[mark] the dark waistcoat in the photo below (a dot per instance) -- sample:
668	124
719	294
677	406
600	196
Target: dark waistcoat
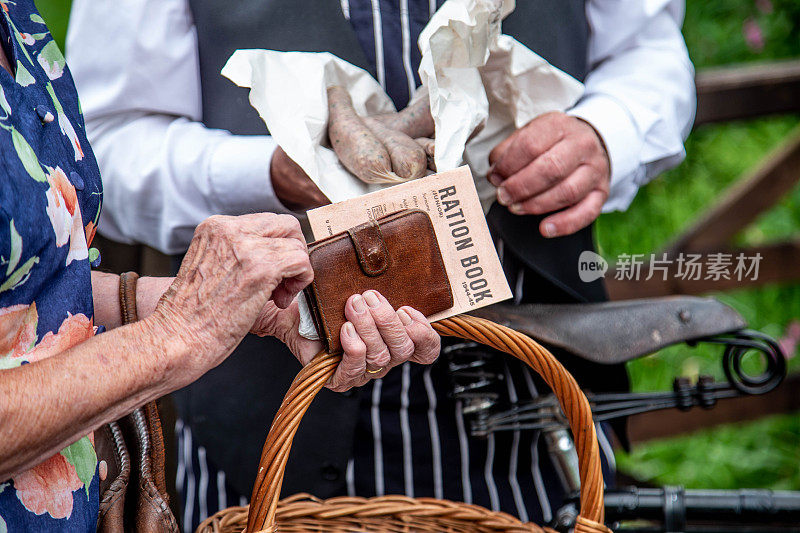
230	409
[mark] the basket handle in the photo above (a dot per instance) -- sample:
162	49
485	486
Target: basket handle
311	379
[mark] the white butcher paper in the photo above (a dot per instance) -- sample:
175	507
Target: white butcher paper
475	76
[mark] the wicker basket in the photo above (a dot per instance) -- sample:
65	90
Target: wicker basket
392	514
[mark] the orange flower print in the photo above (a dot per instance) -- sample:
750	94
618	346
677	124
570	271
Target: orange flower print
77	243
65	216
18	334
47	488
73	331
69	131
63	121
62	201
27	38
91	228
17	329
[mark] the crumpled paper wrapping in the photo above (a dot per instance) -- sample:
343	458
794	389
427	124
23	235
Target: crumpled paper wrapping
475	76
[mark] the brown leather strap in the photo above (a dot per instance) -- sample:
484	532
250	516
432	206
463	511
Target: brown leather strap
148	422
157	451
127	297
370	248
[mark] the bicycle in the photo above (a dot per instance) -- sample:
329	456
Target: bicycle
618	332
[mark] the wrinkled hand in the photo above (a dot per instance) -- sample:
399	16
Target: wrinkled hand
554	163
292	185
234	267
375	338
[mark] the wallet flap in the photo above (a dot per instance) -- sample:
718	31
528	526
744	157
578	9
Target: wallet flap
370	248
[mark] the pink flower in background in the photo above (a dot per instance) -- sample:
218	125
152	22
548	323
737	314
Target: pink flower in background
753	35
47	488
765	6
790	339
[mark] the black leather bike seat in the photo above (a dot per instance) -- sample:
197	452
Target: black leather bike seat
615	332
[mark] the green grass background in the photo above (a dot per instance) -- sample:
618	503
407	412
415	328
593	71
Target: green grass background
760	454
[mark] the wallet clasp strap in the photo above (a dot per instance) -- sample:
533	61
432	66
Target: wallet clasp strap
370	248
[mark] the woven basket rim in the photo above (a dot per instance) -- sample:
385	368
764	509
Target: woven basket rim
266	512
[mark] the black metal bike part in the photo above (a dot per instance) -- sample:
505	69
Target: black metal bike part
674	509
737	346
543	413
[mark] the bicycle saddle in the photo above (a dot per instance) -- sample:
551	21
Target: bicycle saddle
615	332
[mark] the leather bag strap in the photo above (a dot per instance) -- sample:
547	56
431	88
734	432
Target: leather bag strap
127	297
137	498
152	466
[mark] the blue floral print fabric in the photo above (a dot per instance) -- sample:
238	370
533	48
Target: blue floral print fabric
50	198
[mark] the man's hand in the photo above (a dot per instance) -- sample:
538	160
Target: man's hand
292	185
554	163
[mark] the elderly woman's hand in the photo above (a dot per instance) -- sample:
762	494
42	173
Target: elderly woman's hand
375	339
378	338
241	275
233	268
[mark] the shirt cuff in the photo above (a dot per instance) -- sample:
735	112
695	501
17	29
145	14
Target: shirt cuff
239	176
616	128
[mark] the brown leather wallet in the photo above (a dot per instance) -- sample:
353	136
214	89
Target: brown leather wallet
396	255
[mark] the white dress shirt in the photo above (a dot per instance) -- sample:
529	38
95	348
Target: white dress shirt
135	64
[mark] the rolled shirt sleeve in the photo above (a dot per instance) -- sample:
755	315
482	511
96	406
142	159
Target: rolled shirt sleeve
135	64
639	94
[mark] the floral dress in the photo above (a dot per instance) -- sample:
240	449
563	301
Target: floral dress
50	197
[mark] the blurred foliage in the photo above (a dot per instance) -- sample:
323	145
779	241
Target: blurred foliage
760	454
715	30
716	157
56	14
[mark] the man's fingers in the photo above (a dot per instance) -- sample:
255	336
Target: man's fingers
292	185
357	312
315	195
528	143
564	194
498	151
351	370
289	287
546	171
576	217
494	177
